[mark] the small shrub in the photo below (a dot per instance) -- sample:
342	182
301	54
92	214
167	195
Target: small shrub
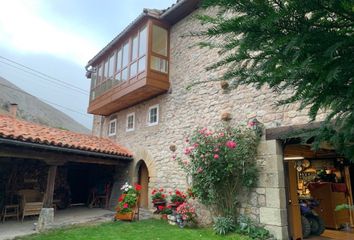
224	225
248	227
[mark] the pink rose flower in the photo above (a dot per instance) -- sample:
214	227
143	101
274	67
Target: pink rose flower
231	144
188	150
125	205
216	156
199	170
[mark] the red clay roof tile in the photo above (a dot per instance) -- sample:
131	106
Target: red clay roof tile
12	128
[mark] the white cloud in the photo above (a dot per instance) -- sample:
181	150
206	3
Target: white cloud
22	28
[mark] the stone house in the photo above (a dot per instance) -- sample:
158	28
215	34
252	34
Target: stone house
139	98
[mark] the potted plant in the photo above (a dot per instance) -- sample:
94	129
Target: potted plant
158	198
177	198
165	211
186	212
128	202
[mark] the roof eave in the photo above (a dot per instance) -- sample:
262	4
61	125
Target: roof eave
180	10
65	150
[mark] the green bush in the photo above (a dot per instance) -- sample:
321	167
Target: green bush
224	225
222	163
248	227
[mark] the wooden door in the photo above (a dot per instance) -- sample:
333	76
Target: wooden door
293	204
144	182
348	181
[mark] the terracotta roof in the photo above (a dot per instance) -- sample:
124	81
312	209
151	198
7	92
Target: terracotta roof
15	129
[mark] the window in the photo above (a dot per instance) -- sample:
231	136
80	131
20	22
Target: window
100	74
153	117
159	40
125	54
93	85
135	47
159	60
142	41
159	64
112	127
111	66
106	66
130	122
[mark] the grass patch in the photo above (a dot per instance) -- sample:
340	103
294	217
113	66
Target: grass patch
147	230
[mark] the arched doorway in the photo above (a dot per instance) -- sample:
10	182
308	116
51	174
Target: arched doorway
143	180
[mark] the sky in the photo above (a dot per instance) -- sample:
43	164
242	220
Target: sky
58	38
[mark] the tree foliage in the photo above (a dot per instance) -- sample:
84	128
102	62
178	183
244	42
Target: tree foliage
303	46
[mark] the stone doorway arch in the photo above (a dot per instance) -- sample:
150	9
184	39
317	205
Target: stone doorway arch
143	180
144	173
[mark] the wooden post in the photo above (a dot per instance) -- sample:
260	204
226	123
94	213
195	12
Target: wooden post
48	197
294	206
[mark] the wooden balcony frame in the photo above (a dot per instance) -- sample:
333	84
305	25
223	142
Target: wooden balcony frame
143	86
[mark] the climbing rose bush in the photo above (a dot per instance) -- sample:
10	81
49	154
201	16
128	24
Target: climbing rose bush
222	164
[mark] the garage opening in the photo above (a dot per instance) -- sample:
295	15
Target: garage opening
318	182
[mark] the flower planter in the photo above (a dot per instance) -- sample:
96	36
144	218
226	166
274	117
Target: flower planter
125	216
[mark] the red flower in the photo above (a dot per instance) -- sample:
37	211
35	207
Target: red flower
138	187
125	205
163	196
178	192
121	198
161	207
231	144
216	156
153	191
161	190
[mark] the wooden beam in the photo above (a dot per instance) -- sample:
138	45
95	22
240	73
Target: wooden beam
49	192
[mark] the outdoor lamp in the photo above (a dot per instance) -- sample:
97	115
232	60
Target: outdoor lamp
256	126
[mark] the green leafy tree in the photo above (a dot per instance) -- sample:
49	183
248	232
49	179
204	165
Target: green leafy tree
303	46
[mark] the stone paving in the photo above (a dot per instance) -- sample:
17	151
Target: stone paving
76	215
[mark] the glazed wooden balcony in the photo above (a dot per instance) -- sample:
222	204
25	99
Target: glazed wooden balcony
146	85
109	95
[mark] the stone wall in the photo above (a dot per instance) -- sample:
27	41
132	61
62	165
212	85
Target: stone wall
183	110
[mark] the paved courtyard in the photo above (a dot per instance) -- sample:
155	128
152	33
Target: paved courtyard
76	215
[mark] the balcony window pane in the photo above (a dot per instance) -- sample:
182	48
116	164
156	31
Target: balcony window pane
142	64
135	47
117	76
119	60
125	54
111	66
93	80
142	42
159	40
93	95
125	74
100	74
106	70
133	69
159	64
